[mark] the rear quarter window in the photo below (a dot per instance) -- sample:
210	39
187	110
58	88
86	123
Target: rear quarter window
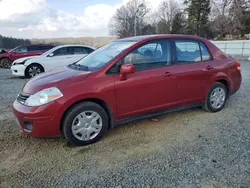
90	50
206	56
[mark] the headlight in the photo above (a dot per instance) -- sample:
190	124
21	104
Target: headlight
43	97
20	63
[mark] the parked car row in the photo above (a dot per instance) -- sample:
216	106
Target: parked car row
54	58
125	80
8	57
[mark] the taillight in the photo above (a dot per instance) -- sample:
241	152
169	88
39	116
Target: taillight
238	65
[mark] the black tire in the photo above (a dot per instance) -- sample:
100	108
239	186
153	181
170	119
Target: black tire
1	63
6	63
39	69
73	112
208	105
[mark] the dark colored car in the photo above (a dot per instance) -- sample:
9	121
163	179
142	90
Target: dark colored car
7	58
126	80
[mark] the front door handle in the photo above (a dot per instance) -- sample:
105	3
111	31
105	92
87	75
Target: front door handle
209	67
167	74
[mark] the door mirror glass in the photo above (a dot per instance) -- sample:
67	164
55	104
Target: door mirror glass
126	69
51	55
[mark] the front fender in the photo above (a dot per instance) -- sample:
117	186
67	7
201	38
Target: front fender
66	104
3	56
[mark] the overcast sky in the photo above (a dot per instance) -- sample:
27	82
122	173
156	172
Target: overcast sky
58	18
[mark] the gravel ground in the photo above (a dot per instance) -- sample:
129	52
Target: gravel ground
190	148
4	73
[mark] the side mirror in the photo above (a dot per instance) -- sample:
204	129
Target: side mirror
51	55
126	69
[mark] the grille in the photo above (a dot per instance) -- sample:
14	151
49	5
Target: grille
22	97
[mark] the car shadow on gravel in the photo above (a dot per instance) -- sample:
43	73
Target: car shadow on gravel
13	78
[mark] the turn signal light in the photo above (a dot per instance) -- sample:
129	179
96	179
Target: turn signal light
238	65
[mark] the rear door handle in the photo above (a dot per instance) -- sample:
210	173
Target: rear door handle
209	67
167	74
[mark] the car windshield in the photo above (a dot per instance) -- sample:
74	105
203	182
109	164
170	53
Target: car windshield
11	50
103	55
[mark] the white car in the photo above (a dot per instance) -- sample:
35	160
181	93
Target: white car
56	57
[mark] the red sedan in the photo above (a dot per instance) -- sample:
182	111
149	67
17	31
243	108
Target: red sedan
126	80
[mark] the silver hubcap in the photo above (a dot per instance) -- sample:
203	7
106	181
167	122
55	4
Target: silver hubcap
34	70
6	63
86	125
217	97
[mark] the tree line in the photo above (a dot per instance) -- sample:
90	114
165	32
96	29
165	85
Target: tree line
9	42
205	18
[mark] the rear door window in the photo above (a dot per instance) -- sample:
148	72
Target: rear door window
33	48
187	51
80	50
63	51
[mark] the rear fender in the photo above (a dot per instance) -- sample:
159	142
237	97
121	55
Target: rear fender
222	76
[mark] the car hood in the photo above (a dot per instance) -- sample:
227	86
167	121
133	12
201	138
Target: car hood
2	51
60	78
25	58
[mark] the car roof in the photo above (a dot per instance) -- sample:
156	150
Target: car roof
37	45
75	45
161	36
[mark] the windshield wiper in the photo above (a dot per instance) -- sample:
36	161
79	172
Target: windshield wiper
83	67
78	66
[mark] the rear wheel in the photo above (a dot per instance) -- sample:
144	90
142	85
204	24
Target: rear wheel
85	123
33	70
216	98
6	63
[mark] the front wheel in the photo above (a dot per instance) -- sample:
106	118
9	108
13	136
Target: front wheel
33	70
216	98
85	123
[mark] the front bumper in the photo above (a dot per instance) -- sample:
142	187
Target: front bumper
42	121
18	70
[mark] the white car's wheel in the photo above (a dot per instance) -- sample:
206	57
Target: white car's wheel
33	70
